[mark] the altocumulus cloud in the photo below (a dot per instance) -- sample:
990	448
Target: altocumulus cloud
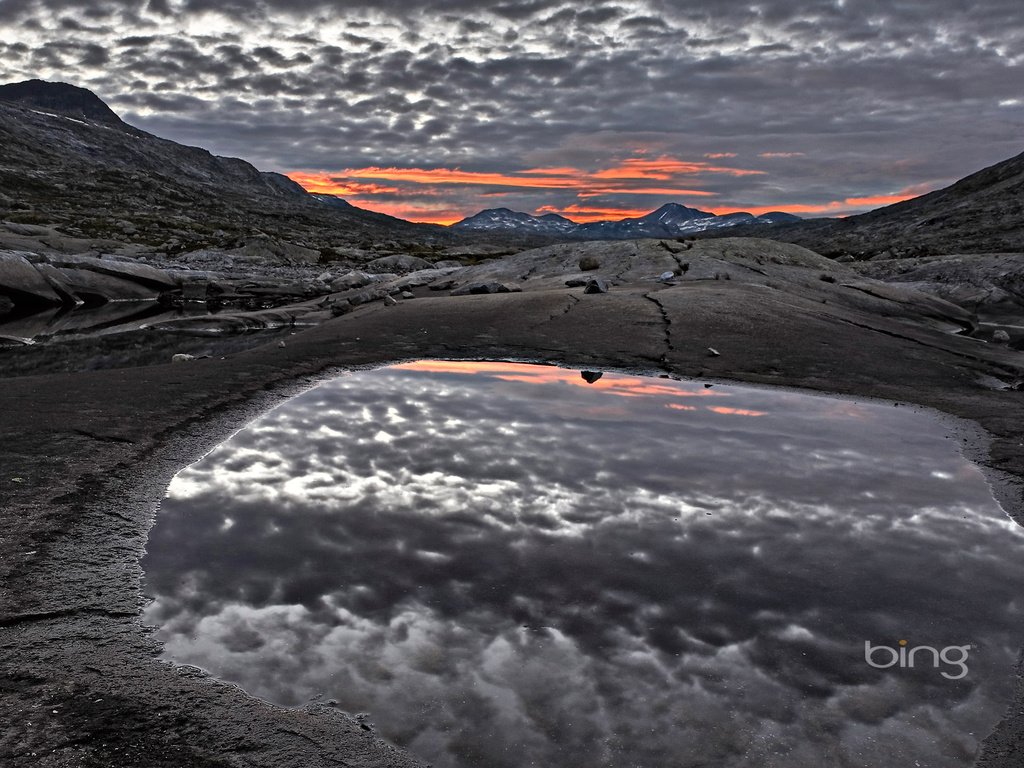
841	105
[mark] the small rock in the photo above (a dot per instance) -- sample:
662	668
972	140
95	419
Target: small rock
1001	337
339	308
667	277
390	301
589	264
182	358
480	288
714	352
325	277
408	295
591	376
596	286
577	282
281	344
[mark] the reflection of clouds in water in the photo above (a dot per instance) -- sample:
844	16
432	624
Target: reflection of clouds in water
480	563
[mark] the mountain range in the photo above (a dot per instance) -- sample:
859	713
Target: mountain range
71	165
670	220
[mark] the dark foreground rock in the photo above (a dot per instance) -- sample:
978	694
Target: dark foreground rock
87	457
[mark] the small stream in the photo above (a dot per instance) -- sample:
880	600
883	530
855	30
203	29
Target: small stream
498	564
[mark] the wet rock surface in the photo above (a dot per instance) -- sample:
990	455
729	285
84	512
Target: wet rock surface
86	458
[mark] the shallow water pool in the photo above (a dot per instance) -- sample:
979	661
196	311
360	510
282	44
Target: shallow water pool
500	564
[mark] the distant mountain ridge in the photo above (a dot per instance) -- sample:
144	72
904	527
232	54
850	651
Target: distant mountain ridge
670	220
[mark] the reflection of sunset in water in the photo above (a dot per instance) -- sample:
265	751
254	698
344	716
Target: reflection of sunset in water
506	566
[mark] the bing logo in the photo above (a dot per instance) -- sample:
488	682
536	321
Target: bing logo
884	657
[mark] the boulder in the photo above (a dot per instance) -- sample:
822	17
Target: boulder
133	271
398	263
21	281
94	287
350	280
53	276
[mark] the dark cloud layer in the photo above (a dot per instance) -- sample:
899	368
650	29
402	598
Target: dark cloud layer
518	568
878	97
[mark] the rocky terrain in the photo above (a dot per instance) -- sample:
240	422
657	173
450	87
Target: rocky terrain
982	213
154	297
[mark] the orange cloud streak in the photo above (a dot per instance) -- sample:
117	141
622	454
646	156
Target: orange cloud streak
664	168
584	214
735	411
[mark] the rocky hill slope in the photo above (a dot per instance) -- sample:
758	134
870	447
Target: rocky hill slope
982	213
67	161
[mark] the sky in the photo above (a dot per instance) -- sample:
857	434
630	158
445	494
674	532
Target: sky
433	110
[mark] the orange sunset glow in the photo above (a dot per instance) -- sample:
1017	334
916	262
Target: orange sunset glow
625	189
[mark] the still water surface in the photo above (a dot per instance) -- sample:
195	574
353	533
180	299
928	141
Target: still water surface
506	565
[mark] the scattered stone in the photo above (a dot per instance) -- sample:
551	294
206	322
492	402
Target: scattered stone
589	264
667	277
591	376
390	301
182	358
596	285
1001	337
714	352
481	288
408	295
281	344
